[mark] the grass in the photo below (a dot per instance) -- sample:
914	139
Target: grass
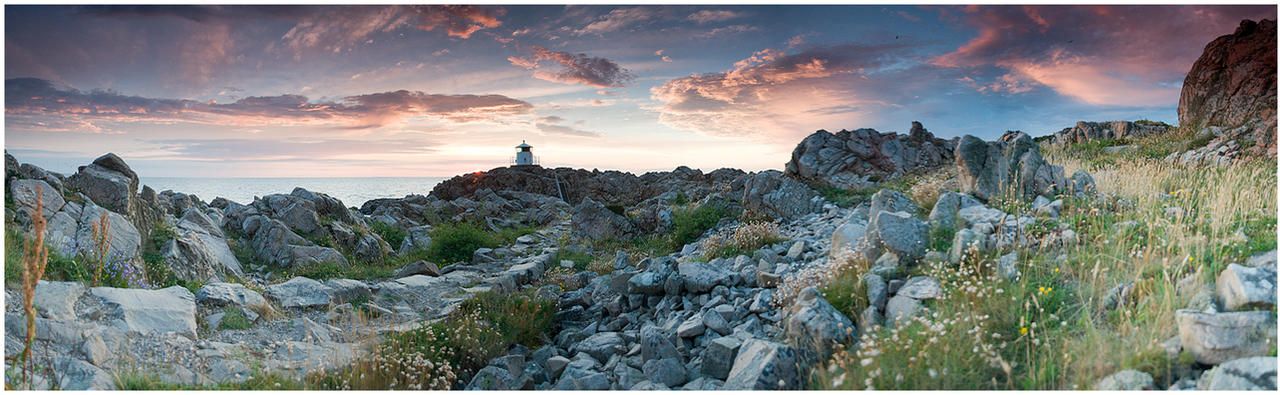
688	224
393	235
922	188
454	243
580	259
233	318
1048	329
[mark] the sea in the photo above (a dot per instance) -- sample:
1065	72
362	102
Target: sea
353	192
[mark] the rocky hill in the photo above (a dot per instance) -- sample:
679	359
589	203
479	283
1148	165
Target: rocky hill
864	157
1233	86
1085	132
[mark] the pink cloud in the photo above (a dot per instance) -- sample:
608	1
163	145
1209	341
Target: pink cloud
707	16
775	95
618	19
1101	55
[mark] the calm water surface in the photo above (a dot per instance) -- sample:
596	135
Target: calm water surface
351	191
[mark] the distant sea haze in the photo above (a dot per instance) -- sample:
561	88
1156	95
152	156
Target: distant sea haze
352	191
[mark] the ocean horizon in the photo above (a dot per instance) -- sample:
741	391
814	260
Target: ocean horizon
352	191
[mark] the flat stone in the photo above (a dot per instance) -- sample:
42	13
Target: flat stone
717	358
1127	380
1245	374
300	292
143	311
668	371
57	300
691	327
921	287
763	365
1221	337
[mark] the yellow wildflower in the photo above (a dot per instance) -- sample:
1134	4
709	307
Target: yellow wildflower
1023	331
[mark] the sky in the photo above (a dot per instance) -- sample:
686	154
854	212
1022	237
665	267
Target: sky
434	91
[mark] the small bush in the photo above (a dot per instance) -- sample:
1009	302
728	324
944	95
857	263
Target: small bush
235	319
688	224
616	209
940	239
580	259
393	235
742	239
453	243
847	197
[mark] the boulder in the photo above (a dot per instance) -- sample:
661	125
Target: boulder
655	344
300	292
229	294
864	157
593	221
1127	380
921	287
123	238
763	365
602	345
701	277
345	290
849	239
667	371
492	378
416	238
1221	337
143	311
1012	163
901	308
57	300
419	267
718	357
817	324
1245	374
1245	288
109	182
943	215
771	194
76	375
1233	81
888	200
899	233
23	193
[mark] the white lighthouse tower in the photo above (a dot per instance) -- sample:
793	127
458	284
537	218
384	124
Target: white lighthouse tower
524	155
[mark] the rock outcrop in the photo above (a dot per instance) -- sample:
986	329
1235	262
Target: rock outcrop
1234	81
1011	164
575	185
1085	132
864	157
771	194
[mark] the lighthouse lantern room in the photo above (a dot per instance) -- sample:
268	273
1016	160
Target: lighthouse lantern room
524	155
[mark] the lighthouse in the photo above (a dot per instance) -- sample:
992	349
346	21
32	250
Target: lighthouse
524	155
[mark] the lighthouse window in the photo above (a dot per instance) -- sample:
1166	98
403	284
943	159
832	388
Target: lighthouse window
524	149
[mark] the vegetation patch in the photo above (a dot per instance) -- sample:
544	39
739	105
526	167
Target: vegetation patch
235	319
454	243
741	240
393	235
689	224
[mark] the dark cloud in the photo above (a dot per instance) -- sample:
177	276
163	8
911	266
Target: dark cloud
576	69
37	98
551	119
565	130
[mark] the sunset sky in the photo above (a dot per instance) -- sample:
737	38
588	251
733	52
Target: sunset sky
367	91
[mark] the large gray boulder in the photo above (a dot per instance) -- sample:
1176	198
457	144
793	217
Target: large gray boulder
1244	288
771	194
274	242
123	239
1085	132
143	311
899	233
593	221
230	294
1221	337
1012	163
655	343
1245	374
863	157
701	277
23	193
109	182
816	324
718	357
300	292
602	345
764	365
849	239
943	215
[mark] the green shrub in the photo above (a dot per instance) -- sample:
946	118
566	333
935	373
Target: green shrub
233	318
680	200
616	208
452	243
847	197
940	239
392	234
580	259
688	224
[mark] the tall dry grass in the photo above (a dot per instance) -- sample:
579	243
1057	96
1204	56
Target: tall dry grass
34	258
